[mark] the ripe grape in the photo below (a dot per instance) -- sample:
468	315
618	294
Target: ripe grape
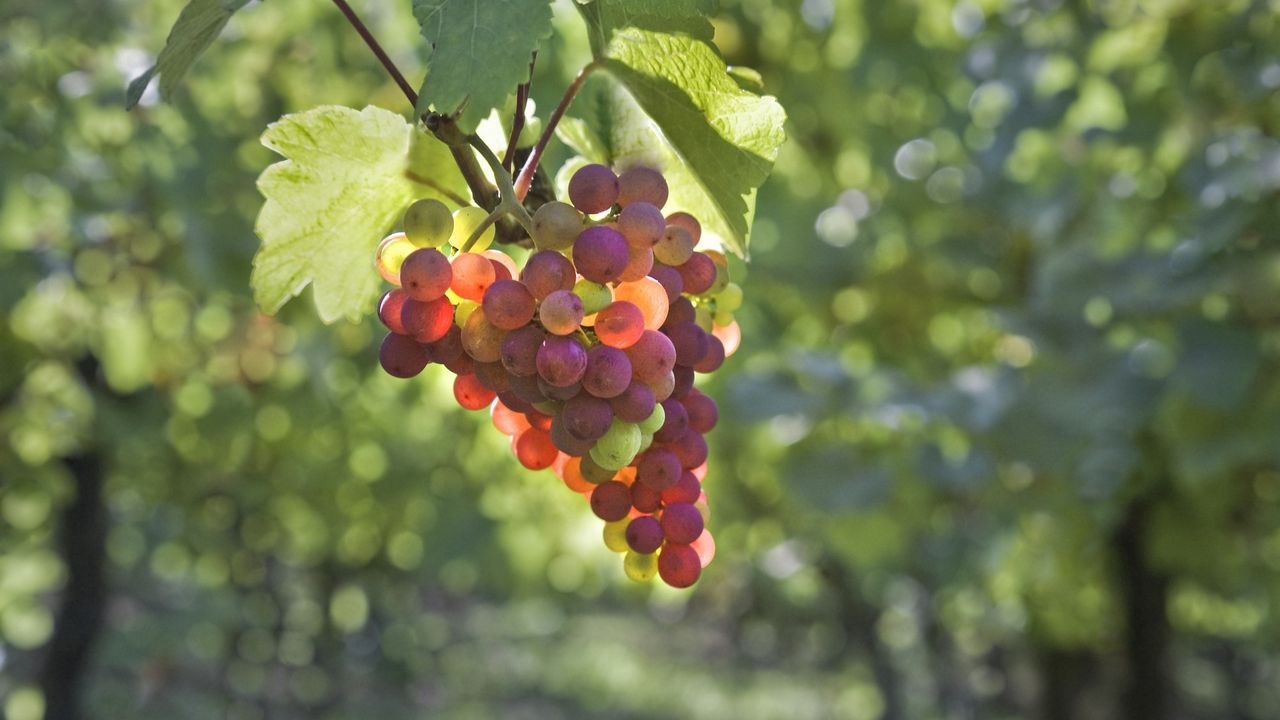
658	468
527	389
586	417
481	339
389	310
561	312
730	335
690	342
691	448
642	184
504	264
676	421
674	247
678	565
681	523
648	295
465	221
508	304
645	534
401	356
508	421
619	325
644	498
640	567
681	311
565	441
595	296
652	357
555	226
705	546
557	392
618	446
572	476
670	280
686	490
493	376
714	357
519	350
593	188
639	263
547	271
513	401
427	322
698	272
539	420
683	381
561	361
688	222
473	273
600	254
608	372
428	223
702	411
470	393
390	254
642	225
611	501
426	274
615	535
448	349
535	450
664	386
634	404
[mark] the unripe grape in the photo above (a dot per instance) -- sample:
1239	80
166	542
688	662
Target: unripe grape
730	298
730	335
481	339
390	254
639	566
655	420
465	221
688	222
594	473
428	223
674	247
642	184
555	226
705	546
615	535
561	312
639	263
593	189
595	296
616	448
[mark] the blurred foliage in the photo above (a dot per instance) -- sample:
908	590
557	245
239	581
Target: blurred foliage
1017	273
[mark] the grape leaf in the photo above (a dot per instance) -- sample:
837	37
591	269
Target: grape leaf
671	16
197	26
481	51
341	186
715	141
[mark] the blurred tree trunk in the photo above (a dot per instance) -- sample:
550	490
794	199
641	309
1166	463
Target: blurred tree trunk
1145	593
858	619
1067	675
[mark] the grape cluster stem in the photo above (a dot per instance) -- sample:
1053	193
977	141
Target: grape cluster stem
525	179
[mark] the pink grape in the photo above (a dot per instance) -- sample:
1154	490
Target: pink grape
427	322
600	254
635	403
698	273
642	184
525	387
561	312
658	468
520	350
620	324
493	376
642	225
652	356
688	222
644	498
701	410
686	490
593	189
678	565
639	263
389	310
547	271
473	273
508	304
426	274
608	372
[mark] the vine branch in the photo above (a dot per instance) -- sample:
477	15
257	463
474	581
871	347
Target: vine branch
525	178
377	50
517	122
482	191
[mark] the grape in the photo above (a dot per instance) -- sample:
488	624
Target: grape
572	475
611	501
675	424
645	533
463	311
465	222
389	310
646	441
681	523
714	357
513	401
675	246
644	498
686	490
508	304
473	273
555	392
701	410
690	342
649	296
642	225
482	340
619	325
448	348
652	357
730	298
508	421
561	361
595	296
600	254
681	311
470	394
642	185
555	226
426	274
520	350
594	473
428	223
616	448
615	535
547	271
593	189
688	222
703	318
683	381
640	567
651	424
401	356
535	450
634	404
503	263
427	322
678	565
664	386
539	420
639	263
698	272
526	388
493	376
608	372
670	280
391	252
705	546
659	469
691	448
561	312
565	441
730	335
586	417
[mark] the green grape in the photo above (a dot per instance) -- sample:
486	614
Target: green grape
703	317
615	535
723	318
465	221
464	310
428	223
651	424
595	296
640	567
646	440
390	255
730	298
618	446
555	226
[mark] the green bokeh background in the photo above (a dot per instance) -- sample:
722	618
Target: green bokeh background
1002	439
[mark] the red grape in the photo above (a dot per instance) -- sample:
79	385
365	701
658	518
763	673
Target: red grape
401	356
645	534
611	501
678	565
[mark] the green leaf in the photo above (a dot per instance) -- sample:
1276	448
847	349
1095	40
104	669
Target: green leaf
198	25
340	188
481	51
580	136
688	17
685	114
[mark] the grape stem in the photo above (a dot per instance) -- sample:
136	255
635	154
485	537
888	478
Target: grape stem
482	192
517	121
525	179
377	50
507	197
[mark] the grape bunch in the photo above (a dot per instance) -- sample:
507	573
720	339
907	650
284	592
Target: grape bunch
586	356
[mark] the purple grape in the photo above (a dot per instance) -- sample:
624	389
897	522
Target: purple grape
600	254
698	273
684	382
714	358
401	356
447	349
561	312
635	403
702	411
642	225
691	448
526	388
675	424
565	442
644	534
644	498
520	350
561	361
608	372
681	523
515	403
593	188
686	490
559	393
670	280
547	271
658	468
587	417
690	342
681	311
493	376
652	356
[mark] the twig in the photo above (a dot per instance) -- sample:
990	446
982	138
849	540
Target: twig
451	195
377	50
517	122
507	196
525	178
483	193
